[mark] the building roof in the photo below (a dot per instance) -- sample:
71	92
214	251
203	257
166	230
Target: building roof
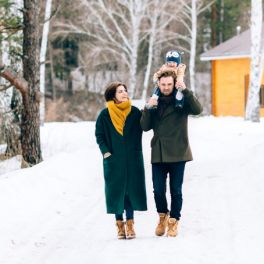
236	47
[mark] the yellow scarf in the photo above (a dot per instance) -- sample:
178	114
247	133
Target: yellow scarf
118	114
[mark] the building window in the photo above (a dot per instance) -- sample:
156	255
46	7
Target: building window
261	96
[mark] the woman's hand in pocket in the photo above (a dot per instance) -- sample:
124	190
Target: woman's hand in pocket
107	154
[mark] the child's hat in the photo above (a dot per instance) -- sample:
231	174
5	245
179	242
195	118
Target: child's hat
173	55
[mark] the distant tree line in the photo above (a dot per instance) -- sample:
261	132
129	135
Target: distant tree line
95	42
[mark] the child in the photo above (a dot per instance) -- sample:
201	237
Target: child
173	63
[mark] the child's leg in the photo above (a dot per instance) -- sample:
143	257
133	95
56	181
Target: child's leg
156	92
179	99
156	95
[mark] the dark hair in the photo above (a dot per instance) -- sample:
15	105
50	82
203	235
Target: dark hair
110	90
168	74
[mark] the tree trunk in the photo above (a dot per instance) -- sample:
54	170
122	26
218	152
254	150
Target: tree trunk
30	126
134	52
52	74
132	77
256	66
222	10
43	52
214	25
193	45
150	53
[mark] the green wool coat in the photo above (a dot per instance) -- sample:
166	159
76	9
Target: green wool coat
170	141
124	169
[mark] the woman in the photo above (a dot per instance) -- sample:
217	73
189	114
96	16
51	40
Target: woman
119	135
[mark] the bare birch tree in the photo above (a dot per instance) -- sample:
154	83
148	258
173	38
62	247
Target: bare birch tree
114	27
158	20
256	65
188	18
43	51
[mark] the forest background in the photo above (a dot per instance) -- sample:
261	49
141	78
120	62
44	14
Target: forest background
85	44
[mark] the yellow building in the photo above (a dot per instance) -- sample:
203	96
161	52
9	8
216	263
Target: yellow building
230	76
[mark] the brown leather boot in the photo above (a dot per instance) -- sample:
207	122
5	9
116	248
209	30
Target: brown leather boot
121	233
130	232
172	227
162	225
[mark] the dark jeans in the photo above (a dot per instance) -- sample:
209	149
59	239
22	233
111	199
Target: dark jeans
129	210
159	177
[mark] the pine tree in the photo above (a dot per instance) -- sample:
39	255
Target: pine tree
29	85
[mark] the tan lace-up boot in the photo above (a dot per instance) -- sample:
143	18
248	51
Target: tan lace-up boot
130	232
162	225
121	233
172	227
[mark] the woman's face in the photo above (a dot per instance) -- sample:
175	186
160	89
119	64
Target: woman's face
121	94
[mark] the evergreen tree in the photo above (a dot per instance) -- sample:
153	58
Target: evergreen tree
220	22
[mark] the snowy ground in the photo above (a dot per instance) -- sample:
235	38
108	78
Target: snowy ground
55	212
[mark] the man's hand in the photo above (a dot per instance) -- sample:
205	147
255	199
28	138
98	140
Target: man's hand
152	102
180	85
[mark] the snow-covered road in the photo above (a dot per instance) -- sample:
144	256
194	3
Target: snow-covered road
55	212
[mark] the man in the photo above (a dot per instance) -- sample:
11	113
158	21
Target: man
170	148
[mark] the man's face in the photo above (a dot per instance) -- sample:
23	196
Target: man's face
166	85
